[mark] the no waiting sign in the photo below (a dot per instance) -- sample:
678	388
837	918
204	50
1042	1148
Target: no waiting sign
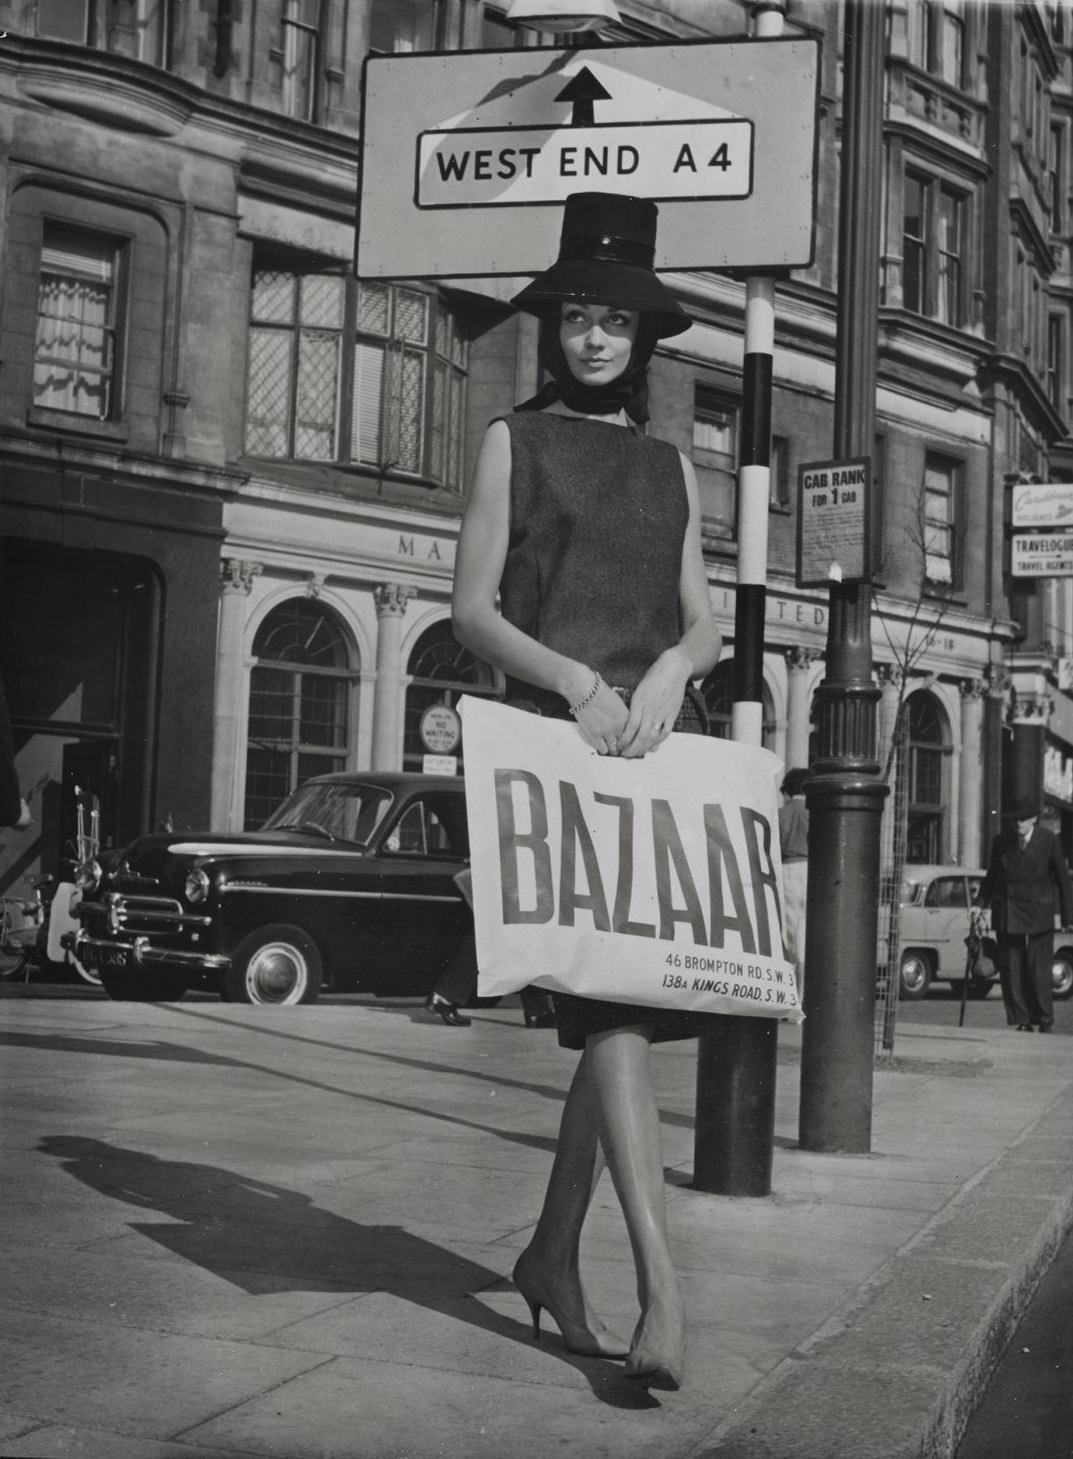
467	157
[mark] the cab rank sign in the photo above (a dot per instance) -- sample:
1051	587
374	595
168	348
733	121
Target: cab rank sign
467	157
834	503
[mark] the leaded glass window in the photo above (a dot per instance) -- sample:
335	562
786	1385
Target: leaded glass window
365	374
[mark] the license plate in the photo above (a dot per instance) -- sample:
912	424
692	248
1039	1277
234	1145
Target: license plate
112	957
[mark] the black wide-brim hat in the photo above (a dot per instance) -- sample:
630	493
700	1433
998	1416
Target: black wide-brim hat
606	252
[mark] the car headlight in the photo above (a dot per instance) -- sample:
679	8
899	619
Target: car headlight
88	876
197	884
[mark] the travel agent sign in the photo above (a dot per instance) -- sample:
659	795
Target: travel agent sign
1041	555
834	502
467	157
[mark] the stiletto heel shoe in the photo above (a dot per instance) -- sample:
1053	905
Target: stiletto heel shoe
644	1367
535	1310
577	1337
651	1373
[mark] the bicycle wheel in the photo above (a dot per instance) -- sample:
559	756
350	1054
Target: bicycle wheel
12	962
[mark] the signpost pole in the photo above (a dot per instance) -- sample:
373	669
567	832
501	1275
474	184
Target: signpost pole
734	1131
844	795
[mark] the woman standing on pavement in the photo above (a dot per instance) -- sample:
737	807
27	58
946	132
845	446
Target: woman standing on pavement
589	533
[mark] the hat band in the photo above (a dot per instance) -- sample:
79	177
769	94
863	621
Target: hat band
606	248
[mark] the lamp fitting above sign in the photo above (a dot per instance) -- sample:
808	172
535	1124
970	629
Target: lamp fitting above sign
563	15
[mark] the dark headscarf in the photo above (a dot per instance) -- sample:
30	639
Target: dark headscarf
628	391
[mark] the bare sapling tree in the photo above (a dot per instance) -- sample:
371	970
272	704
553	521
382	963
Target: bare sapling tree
925	566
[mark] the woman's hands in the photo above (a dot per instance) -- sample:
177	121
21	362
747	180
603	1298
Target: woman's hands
602	720
613	729
655	704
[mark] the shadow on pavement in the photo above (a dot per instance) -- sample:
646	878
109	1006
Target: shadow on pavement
267	1239
119	1049
66	1043
554	1092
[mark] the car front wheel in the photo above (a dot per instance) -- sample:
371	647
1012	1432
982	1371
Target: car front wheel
276	964
914	975
1062	975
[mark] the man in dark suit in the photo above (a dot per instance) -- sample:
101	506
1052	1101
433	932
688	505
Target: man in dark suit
1027	883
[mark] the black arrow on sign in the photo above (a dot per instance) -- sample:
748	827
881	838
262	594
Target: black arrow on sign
583	89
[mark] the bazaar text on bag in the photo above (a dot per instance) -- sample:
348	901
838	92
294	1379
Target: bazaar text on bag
605	898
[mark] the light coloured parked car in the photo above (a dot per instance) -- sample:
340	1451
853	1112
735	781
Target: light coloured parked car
937	916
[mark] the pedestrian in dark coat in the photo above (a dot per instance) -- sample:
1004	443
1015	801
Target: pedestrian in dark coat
1027	885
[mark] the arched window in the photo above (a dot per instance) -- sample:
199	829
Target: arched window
300	690
718	691
440	671
928	750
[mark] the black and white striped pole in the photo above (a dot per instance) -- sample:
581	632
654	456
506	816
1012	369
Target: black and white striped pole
735	1112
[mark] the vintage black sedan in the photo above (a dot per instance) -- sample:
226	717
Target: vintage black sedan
349	885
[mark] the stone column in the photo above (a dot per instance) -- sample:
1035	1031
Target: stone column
391	601
971	852
1031	709
997	734
228	756
799	662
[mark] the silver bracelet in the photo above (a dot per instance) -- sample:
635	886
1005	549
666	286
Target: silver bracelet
597	685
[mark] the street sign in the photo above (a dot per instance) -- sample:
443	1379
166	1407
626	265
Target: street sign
1041	555
440	730
834	505
514	168
1042	504
468	156
439	764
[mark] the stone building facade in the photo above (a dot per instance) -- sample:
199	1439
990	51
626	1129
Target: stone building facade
233	474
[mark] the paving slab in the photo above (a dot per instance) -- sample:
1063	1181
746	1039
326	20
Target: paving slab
234	1232
25	1436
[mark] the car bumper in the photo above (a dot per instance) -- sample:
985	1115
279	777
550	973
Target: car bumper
99	952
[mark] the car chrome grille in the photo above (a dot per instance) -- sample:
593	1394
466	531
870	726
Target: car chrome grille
141	915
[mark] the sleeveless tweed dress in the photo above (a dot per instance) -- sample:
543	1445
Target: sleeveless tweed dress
594	558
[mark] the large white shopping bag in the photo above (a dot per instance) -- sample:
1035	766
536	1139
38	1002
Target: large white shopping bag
653	880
